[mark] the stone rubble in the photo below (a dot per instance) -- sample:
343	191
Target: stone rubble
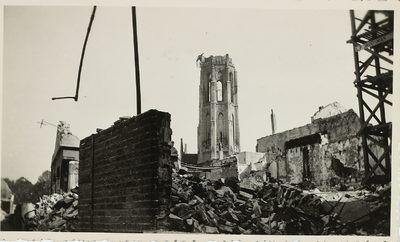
55	212
205	206
223	207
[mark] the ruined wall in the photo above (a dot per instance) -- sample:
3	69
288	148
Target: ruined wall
228	168
294	166
247	157
125	175
253	167
338	127
308	151
250	178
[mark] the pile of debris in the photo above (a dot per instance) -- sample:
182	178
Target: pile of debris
56	212
204	206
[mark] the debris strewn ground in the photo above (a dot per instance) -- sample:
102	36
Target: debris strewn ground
56	212
204	206
224	207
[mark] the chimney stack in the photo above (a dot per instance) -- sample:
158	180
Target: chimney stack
273	122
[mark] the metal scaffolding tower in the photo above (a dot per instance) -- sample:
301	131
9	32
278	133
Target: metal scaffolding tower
372	40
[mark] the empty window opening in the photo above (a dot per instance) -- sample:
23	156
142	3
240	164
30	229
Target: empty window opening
219	91
209	92
233	129
232	85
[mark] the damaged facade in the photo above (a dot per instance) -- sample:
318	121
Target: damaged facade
65	165
325	152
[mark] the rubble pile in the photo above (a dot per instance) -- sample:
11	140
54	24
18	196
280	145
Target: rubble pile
377	220
56	212
204	206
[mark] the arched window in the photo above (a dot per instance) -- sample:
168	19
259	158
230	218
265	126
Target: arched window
209	88
232	85
221	126
233	128
219	91
209	92
219	86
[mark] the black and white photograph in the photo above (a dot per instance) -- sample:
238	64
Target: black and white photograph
213	121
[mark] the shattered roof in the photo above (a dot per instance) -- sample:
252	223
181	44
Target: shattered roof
329	110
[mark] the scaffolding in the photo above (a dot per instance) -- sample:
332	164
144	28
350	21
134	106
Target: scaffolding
372	39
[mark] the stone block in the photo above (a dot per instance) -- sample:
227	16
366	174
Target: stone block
211	230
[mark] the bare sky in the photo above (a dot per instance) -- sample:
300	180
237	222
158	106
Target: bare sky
291	61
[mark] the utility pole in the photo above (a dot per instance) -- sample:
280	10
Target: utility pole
136	49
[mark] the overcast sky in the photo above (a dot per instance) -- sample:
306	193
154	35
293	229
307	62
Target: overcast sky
291	61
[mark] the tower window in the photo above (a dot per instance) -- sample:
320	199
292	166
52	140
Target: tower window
233	129
232	85
219	91
209	88
220	130
209	91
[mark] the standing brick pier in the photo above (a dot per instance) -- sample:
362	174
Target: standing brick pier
125	175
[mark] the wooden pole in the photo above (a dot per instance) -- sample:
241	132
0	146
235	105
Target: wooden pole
136	49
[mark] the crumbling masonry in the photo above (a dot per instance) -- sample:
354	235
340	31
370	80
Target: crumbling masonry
325	152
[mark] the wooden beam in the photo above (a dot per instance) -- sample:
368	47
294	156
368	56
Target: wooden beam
363	22
377	160
373	111
375	166
369	109
376	96
379	55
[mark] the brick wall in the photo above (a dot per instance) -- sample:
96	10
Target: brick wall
125	175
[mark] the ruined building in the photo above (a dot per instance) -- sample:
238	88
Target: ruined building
326	152
64	164
218	129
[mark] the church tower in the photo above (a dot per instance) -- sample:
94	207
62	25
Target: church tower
218	131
